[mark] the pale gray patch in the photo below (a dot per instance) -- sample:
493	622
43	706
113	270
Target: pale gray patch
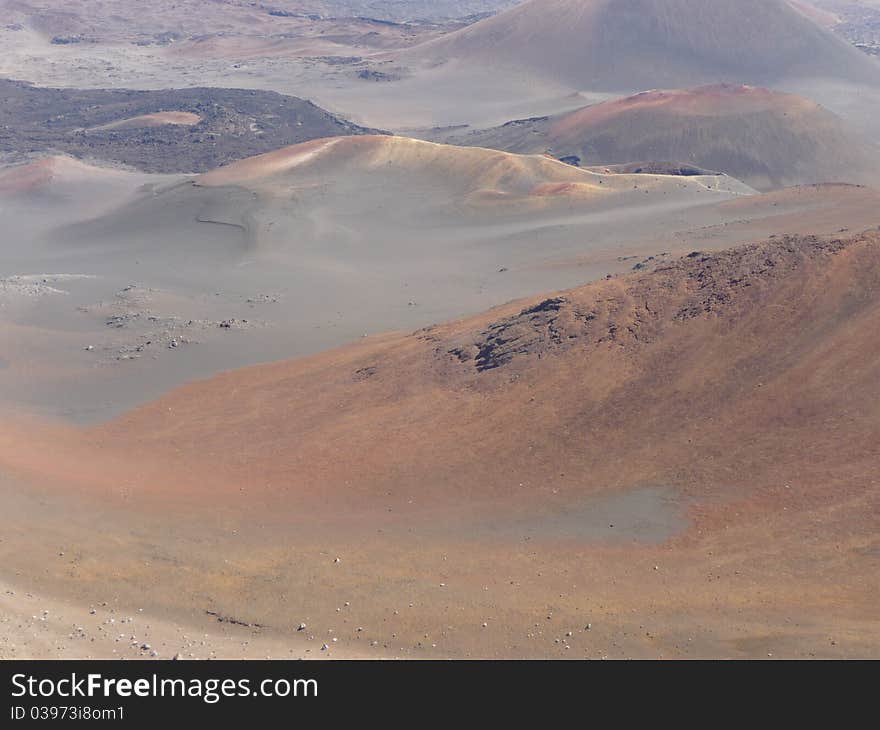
649	515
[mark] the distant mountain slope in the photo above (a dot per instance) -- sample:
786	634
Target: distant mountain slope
642	44
765	138
177	130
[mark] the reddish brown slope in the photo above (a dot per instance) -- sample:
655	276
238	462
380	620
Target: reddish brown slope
723	373
453	470
754	362
765	138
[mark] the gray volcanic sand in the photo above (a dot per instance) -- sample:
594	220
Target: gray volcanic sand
647	515
177	281
468	580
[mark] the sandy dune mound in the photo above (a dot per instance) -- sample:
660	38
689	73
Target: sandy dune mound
467	168
46	192
156	119
765	138
467	173
48	172
640	44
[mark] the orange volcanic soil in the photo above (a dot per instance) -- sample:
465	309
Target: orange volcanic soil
464	470
765	138
474	166
711	101
771	332
700	372
266	165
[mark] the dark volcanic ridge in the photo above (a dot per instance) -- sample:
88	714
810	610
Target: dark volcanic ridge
697	285
168	131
